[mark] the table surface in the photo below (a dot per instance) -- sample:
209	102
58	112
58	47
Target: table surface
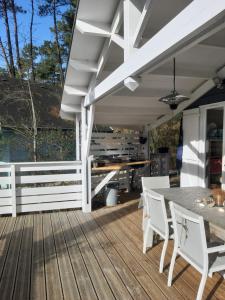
119	166
187	197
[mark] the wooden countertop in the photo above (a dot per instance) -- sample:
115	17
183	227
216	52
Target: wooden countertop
119	166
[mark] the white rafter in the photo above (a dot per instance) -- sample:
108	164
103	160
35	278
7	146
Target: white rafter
93	28
84	65
116	24
75	90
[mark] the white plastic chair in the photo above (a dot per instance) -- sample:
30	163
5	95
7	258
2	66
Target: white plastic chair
158	182
190	243
158	222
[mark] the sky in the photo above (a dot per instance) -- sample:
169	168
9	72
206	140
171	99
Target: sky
41	26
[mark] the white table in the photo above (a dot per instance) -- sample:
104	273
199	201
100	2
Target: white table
186	197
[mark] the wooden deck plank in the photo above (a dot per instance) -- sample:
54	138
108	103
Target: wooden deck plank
142	276
21	290
70	290
71	255
6	237
10	268
126	275
53	282
84	283
38	286
156	252
192	278
148	266
123	225
118	288
101	286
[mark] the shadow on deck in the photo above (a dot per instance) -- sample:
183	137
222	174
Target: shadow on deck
71	255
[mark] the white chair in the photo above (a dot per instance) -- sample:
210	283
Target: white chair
190	243
158	222
158	182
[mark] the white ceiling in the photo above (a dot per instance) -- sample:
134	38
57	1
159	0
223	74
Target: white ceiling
193	67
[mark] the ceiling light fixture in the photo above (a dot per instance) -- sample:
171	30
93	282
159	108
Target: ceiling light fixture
174	98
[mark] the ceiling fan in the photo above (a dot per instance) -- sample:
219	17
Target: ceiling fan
174	98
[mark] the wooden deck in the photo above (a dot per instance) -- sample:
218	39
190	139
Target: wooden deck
70	255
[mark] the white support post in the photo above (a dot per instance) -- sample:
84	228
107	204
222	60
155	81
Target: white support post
87	117
90	121
78	137
90	158
13	189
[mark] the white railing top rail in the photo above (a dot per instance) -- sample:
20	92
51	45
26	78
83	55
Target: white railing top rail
77	162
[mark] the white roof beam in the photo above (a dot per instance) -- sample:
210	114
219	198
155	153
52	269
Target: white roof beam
132	16
196	22
116	38
93	28
84	65
143	20
75	90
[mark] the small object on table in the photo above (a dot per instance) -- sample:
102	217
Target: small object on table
218	196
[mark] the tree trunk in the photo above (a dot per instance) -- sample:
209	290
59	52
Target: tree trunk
6	20
31	42
16	38
57	43
5	56
34	122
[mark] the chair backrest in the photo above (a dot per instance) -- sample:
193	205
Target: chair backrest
189	235
156	209
155	182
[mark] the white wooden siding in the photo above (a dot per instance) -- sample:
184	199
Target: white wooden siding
117	144
29	188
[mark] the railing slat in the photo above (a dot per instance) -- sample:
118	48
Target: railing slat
48	190
55	194
49	198
48	206
47	178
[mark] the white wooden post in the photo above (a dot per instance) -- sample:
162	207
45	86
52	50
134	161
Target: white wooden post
87	117
90	158
83	157
78	137
13	189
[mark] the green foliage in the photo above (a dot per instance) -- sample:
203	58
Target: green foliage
166	135
47	69
56	145
25	57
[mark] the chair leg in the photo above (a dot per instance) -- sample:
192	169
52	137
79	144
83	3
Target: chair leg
172	263
148	238
144	223
165	244
144	219
201	286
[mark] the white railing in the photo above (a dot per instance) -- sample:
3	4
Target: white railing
27	187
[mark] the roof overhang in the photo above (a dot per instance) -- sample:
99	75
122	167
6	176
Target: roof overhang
114	40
